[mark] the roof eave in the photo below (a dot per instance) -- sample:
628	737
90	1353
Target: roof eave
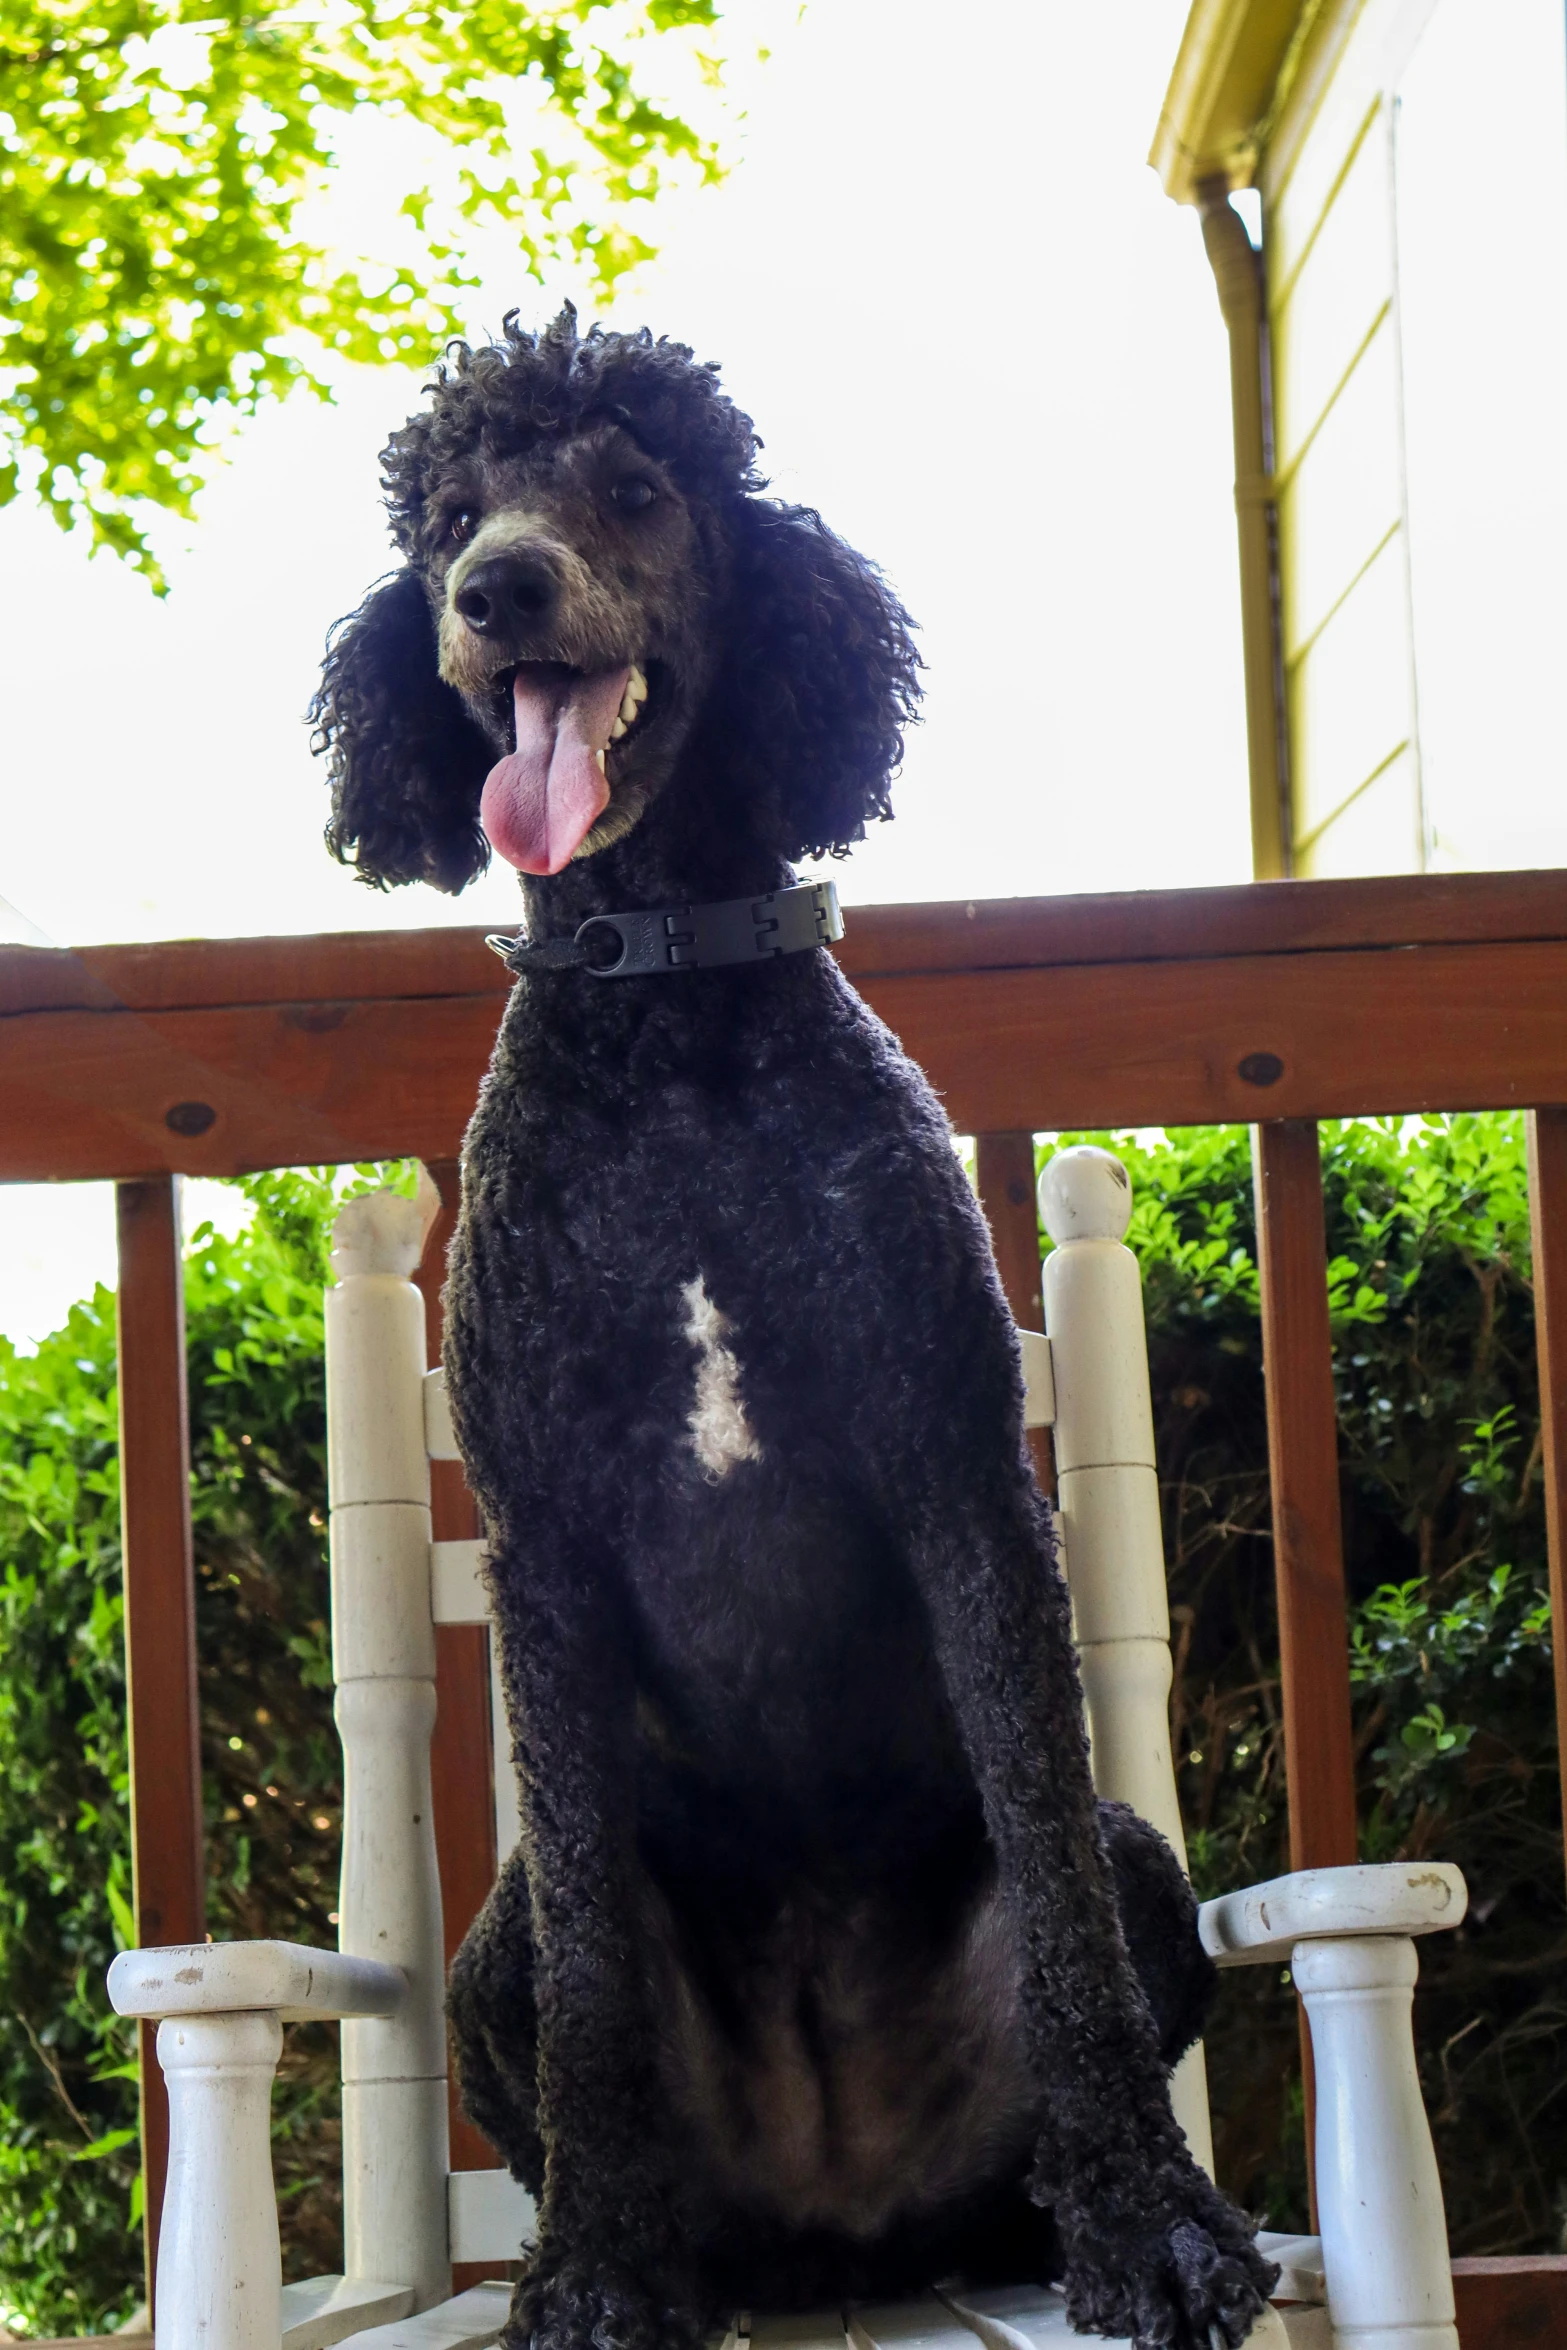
1220	90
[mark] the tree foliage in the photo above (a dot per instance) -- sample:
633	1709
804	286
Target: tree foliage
1454	1723
158	266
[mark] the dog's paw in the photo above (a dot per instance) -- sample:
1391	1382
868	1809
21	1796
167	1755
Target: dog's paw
1178	2271
580	2304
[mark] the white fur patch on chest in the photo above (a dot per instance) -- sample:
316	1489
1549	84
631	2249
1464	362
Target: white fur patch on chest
720	1433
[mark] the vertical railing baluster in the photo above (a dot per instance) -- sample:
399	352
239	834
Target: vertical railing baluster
167	1851
1308	1532
1004	1179
1548	1224
1308	1538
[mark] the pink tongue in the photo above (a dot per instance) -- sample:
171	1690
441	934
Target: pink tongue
542	801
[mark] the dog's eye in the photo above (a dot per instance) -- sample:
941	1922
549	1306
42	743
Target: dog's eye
633	495
462	526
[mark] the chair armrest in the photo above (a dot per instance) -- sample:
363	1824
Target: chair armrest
227	1978
1261	1924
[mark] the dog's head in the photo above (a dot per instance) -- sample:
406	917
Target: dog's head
596	600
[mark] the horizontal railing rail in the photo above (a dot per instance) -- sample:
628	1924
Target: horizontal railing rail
1275	1005
1283	1000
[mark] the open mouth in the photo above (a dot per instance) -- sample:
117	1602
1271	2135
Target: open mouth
542	800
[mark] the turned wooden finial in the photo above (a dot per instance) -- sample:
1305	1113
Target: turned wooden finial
1085	1194
381	1232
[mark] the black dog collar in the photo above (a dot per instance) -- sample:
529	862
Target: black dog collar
686	938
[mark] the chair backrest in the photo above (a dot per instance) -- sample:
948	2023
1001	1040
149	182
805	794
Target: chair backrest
1087	1379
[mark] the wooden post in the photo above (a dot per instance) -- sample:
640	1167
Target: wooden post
1548	1224
1308	1533
1004	1179
167	1854
462	1762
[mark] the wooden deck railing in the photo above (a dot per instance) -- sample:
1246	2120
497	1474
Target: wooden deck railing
1276	1005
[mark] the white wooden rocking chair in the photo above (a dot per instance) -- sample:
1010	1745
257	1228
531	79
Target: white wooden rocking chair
1377	2278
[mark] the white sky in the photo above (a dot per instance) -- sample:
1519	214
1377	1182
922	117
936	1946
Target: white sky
971	328
1483	343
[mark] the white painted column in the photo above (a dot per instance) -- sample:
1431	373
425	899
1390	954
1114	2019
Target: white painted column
1379	2199
220	2270
1109	1497
395	2145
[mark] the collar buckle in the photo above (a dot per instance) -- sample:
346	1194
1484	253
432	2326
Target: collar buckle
658	939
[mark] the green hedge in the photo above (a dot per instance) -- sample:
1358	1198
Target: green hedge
1433	1333
70	2248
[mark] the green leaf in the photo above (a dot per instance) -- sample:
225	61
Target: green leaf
124	1918
159	167
109	2143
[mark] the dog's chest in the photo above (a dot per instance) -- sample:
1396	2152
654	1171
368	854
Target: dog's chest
695	1277
717	1429
664	1296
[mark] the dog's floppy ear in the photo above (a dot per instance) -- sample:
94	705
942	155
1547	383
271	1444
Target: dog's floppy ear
820	681
405	760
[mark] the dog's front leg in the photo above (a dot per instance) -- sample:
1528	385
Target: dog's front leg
605	2275
1153	2249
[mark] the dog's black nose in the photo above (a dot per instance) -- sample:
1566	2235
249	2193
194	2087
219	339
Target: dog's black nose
505	591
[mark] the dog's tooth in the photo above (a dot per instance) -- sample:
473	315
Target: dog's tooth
636	689
628	710
619	727
600	757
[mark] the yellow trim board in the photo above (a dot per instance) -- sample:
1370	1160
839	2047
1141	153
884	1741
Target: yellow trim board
1222	89
1309	840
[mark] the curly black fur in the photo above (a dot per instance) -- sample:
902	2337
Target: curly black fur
818	1970
406	762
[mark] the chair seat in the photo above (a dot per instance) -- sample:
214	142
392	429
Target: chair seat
1010	2317
1006	2317
1033	2317
1301	2275
471	2321
325	2310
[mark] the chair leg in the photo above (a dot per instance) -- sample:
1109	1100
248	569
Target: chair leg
220	2271
1379	2199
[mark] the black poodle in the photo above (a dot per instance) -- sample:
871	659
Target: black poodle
818	1972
